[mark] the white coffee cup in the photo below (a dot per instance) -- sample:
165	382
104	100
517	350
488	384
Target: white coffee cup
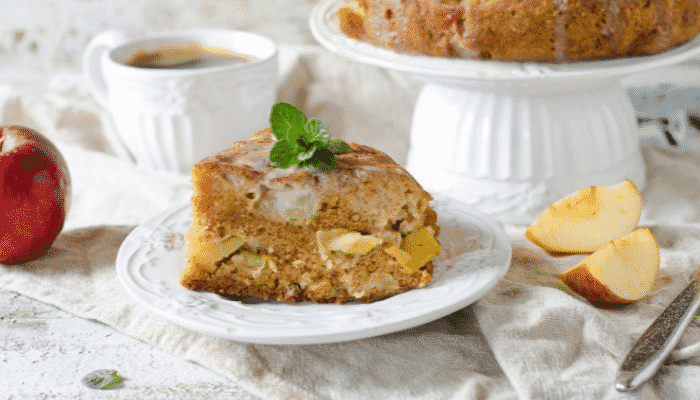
169	119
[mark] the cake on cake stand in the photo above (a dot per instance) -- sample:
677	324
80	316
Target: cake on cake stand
511	138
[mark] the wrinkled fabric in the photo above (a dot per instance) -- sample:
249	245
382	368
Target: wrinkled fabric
529	338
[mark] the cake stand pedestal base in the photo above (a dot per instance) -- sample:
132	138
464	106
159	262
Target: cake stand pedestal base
513	149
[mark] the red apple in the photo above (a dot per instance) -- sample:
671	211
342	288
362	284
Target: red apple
35	197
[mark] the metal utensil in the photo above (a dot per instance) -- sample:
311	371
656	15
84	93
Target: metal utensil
657	342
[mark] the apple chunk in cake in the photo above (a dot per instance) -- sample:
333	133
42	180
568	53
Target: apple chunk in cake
362	231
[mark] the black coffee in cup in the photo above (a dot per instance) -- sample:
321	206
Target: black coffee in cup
190	55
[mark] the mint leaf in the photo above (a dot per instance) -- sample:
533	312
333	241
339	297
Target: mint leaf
337	146
322	161
303	156
102	379
282	155
296	137
308	136
283	116
318	131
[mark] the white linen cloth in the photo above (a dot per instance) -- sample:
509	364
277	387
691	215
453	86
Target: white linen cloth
529	338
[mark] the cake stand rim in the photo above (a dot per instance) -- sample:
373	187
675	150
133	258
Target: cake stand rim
432	68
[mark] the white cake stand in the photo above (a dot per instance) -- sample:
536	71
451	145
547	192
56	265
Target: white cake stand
511	138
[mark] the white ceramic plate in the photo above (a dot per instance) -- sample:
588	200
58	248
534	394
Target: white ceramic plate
324	27
476	254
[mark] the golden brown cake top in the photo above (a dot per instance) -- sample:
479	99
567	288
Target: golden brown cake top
249	160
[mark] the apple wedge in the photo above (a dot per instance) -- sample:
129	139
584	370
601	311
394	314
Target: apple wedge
623	271
584	221
207	252
354	243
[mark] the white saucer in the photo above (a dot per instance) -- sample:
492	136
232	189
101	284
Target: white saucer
476	254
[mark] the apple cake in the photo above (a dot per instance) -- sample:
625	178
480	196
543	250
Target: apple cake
522	30
361	231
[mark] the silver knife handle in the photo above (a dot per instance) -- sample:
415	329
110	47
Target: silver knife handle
657	342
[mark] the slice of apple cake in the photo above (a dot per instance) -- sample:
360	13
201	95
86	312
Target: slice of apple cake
363	230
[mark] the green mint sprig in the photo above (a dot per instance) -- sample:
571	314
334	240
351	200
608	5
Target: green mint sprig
301	141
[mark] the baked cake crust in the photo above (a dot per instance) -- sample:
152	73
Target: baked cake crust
522	30
279	214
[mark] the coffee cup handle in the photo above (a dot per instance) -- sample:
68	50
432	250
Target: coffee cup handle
92	62
93	74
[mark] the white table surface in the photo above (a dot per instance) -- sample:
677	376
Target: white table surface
45	352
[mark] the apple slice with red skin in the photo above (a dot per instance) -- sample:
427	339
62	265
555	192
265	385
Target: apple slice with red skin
35	196
622	271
